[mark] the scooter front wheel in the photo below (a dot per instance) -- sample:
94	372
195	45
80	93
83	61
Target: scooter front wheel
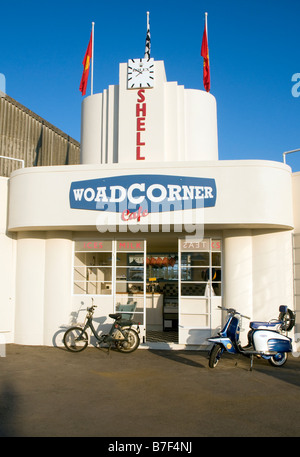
215	355
279	359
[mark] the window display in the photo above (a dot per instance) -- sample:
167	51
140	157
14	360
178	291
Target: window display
93	267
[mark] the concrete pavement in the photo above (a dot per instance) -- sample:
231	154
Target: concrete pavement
47	391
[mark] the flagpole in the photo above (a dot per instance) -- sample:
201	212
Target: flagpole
148	40
92	69
206	14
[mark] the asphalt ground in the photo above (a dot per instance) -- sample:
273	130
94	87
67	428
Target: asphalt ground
50	392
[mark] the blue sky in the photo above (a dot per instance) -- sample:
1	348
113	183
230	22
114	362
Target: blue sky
254	53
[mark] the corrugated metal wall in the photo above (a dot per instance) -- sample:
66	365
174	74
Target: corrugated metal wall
24	135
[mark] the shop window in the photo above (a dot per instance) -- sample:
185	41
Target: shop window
129	279
130	267
201	267
162	267
93	267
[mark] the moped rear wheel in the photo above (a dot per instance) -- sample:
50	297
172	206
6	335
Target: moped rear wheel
131	343
75	339
279	359
215	355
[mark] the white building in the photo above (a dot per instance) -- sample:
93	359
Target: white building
150	216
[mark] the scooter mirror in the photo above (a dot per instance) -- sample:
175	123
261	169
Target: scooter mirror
283	309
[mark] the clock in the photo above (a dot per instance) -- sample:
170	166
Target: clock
140	73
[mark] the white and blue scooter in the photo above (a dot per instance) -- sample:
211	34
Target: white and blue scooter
265	339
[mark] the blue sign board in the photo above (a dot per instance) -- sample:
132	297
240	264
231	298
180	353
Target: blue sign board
153	193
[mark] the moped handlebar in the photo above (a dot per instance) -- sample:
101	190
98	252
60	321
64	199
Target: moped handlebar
92	308
233	311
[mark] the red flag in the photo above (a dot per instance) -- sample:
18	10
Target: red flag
86	67
205	55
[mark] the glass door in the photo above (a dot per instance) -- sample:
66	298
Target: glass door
199	286
130	280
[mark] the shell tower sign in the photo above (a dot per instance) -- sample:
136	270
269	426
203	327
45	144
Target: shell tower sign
146	118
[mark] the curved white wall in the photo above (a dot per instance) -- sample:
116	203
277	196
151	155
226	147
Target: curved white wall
201	126
30	277
296	240
237	267
43	286
91	127
58	284
178	124
7	269
249	193
258	273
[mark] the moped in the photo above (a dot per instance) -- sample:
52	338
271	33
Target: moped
265	339
121	334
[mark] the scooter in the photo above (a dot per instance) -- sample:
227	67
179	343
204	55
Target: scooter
265	339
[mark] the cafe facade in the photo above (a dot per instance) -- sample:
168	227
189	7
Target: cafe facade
151	218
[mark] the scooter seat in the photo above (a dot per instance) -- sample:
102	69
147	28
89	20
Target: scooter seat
266	325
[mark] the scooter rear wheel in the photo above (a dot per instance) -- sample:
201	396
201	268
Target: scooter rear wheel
279	359
215	355
288	319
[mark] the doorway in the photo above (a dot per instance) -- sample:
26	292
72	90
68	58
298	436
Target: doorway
183	285
162	290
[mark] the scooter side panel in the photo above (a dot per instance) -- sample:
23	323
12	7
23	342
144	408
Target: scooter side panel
261	339
225	342
279	345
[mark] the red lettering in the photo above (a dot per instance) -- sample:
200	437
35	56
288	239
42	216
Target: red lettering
141	109
97	245
141	95
139	213
215	244
140	124
138	139
125	213
138	153
128	216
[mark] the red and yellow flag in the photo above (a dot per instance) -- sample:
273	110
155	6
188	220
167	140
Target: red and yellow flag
205	55
86	67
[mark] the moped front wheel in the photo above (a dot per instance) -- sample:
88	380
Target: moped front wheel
279	359
131	343
75	339
215	355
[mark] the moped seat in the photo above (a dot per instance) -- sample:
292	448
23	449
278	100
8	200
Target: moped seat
266	325
116	316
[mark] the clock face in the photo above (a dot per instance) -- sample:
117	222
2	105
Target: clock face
140	73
